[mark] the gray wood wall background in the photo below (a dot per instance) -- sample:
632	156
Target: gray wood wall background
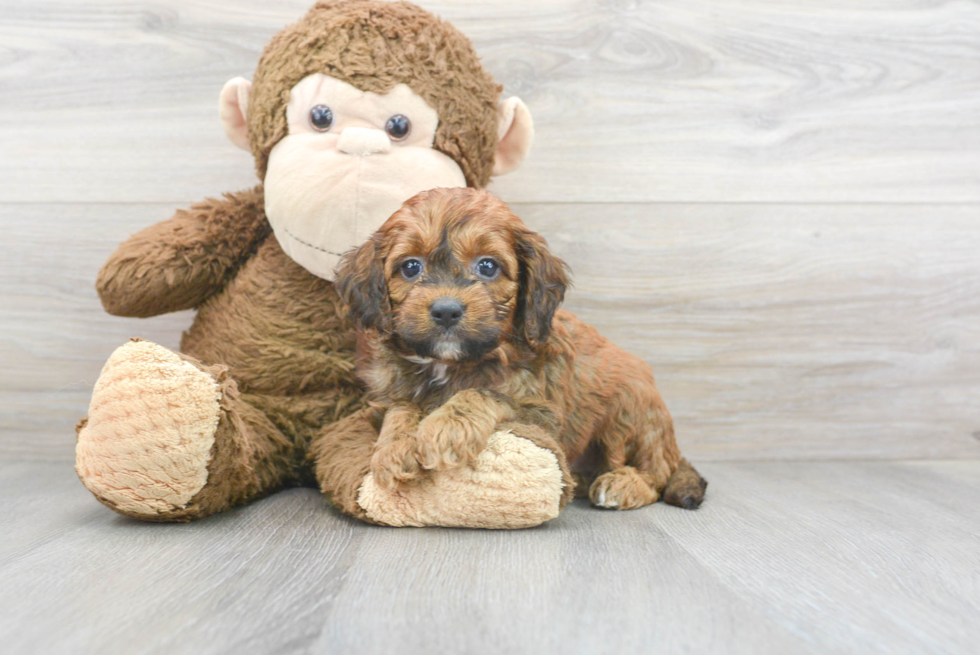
776	204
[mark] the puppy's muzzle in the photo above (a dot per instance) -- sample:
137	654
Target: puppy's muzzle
446	312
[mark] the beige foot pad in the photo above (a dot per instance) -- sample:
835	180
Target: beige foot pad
151	425
514	484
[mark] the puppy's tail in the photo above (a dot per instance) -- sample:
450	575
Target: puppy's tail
685	488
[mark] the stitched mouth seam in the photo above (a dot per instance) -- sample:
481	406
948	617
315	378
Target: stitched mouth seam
310	245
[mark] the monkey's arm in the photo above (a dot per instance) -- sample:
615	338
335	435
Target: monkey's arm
181	262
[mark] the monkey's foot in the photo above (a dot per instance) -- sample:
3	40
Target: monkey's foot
513	484
145	448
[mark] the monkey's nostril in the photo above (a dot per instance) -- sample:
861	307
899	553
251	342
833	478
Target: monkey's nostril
446	312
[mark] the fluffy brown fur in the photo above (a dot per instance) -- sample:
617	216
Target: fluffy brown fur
511	355
374	46
275	337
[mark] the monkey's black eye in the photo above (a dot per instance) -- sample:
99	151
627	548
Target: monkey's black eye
411	268
398	127
488	268
321	118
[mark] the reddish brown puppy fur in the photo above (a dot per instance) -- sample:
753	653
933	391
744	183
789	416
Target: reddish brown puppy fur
454	348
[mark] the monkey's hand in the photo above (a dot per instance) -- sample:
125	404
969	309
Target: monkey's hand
181	262
456	433
394	461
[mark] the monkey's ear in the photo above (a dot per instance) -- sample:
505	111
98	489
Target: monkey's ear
515	132
543	280
360	281
233	108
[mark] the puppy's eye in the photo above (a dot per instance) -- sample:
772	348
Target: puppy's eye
487	268
411	268
321	118
398	127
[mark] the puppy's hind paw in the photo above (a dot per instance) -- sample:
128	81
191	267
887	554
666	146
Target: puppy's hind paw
623	488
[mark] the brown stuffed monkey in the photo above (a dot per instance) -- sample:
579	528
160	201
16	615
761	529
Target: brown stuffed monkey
353	110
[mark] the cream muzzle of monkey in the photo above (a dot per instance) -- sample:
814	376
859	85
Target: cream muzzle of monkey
328	190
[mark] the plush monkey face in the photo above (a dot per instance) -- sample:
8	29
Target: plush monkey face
350	160
340	153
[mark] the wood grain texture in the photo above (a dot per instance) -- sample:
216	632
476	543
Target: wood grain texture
776	331
867	557
785	317
674	100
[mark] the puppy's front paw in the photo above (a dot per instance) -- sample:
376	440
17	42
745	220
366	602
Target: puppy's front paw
513	484
395	462
448	438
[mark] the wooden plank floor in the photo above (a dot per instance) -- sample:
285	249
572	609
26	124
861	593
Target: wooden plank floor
776	331
673	100
784	557
775	204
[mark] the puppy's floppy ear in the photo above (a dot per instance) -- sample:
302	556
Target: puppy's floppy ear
543	280
360	281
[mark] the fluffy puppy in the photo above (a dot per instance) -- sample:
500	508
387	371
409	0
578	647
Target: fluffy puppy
457	301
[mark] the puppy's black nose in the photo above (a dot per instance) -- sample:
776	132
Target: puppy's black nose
446	312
